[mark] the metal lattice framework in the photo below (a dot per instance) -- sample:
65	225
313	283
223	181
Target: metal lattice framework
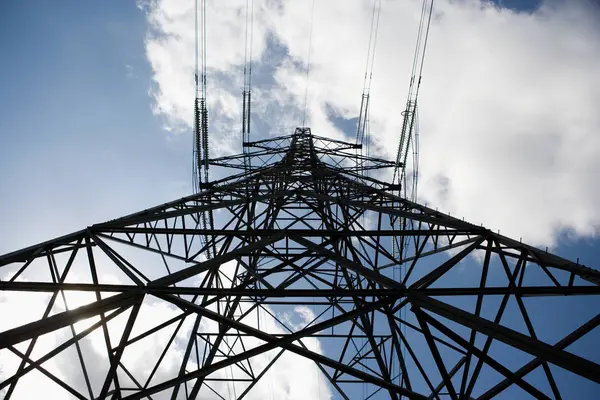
447	315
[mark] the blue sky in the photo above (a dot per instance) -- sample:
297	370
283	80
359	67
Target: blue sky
79	142
76	126
77	134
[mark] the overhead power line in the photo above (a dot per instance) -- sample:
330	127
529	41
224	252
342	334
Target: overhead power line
410	111
247	90
201	136
362	128
310	35
201	141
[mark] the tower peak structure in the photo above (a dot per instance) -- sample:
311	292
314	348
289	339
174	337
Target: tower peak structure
397	300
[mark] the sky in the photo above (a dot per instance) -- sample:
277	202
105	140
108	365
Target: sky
96	100
79	141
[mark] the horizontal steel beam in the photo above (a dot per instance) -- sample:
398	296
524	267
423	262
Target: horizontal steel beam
531	291
295	232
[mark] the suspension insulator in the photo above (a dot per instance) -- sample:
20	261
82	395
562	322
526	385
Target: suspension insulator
244	115
248	117
197	133
205	135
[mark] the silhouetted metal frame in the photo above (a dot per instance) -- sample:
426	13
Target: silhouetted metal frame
299	210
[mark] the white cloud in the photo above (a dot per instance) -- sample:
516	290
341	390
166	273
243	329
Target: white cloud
508	120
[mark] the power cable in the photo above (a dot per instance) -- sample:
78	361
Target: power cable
409	131
362	125
201	157
247	90
312	17
410	121
409	113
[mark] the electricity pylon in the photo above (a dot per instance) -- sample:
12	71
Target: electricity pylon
399	300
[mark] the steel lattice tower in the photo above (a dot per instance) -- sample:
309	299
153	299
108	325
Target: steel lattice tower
405	301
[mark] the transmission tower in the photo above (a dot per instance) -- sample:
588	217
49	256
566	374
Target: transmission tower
453	314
